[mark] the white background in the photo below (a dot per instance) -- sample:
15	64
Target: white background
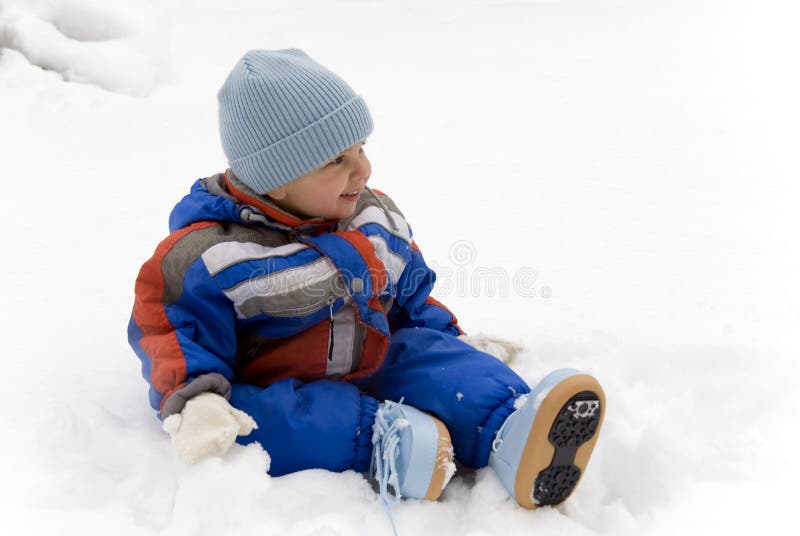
640	156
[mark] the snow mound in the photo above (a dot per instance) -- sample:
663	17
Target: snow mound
118	45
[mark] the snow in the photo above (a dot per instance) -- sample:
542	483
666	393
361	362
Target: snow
112	44
627	168
446	462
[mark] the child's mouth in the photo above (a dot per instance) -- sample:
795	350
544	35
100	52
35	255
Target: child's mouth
352	196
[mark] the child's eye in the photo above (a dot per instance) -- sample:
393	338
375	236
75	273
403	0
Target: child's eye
338	160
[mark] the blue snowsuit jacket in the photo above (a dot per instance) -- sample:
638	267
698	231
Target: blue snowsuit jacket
242	291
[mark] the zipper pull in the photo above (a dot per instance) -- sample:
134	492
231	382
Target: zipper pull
330	330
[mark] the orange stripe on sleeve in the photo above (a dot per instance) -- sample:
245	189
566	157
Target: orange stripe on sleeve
377	271
159	340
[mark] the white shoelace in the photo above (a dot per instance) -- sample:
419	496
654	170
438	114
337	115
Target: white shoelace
385	448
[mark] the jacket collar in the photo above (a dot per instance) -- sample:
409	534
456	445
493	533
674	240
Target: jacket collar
246	195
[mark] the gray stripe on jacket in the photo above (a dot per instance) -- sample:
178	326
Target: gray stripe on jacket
348	338
190	248
226	254
300	302
294	291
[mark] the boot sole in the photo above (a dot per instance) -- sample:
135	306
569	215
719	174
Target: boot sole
560	442
444	456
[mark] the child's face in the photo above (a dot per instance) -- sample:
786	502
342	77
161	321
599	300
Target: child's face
323	192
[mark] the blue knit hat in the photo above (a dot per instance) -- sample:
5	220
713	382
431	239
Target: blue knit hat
281	115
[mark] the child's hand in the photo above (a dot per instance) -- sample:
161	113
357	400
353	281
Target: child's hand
503	350
207	426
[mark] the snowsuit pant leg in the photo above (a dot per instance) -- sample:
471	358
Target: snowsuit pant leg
470	391
316	425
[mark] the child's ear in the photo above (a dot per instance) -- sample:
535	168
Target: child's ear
277	193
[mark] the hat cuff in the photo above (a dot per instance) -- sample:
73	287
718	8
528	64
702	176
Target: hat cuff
305	150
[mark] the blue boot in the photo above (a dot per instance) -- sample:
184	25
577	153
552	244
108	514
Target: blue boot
541	450
411	452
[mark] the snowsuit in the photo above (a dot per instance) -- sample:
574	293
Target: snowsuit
306	325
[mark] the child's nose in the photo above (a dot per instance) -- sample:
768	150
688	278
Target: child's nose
362	170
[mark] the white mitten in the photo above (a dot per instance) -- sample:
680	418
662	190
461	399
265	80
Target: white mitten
207	426
503	350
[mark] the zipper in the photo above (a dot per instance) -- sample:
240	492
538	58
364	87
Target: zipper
330	331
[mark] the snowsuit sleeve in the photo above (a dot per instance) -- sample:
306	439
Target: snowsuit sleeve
182	326
414	306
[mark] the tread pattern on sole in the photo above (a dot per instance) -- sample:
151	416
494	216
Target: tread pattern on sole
575	424
554	484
